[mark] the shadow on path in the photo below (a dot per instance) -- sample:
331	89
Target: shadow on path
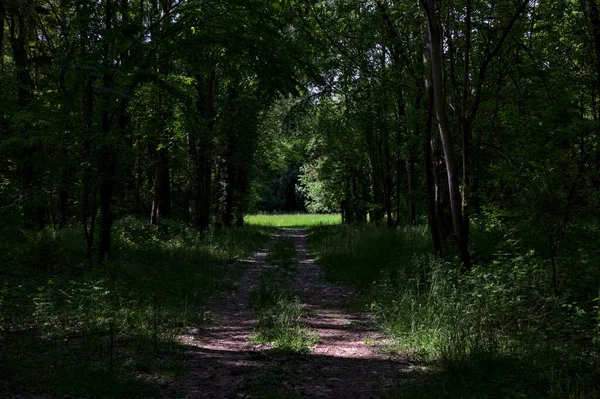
345	363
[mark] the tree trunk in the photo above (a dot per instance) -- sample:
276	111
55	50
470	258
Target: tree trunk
399	160
201	152
63	200
410	168
161	201
465	122
442	194
431	8
387	179
88	193
33	212
107	182
375	181
2	21
593	13
432	214
107	172
230	166
227	205
108	162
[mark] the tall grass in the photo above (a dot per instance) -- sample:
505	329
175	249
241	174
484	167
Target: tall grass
108	330
497	331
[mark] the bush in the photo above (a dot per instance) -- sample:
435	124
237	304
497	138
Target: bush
498	324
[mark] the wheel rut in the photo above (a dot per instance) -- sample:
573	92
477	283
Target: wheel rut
347	360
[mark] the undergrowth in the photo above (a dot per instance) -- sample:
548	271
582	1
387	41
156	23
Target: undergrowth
109	330
498	331
279	311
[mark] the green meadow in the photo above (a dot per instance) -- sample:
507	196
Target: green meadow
293	220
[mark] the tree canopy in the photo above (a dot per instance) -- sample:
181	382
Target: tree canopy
439	113
383	110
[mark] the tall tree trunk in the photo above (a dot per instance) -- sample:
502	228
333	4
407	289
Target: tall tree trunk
399	160
200	203
67	171
432	214
432	12
465	122
108	161
410	168
375	211
161	200
33	212
242	186
387	178
63	200
230	166
218	195
377	184
593	13
107	183
442	194
227	205
2	22
88	193
399	168
139	176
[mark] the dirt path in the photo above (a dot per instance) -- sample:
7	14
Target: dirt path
345	363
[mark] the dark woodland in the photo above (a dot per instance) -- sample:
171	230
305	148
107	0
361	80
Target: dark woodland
299	198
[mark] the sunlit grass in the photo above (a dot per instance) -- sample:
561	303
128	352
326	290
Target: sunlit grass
294	219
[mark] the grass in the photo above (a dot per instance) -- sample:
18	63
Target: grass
293	220
282	254
279	311
497	332
72	330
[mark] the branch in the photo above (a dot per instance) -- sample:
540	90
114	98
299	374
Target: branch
489	57
365	71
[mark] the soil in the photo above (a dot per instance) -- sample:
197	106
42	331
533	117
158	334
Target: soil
347	361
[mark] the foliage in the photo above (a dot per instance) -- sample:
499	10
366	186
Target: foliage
108	324
497	331
198	112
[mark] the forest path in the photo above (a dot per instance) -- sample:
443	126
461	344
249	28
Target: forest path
345	362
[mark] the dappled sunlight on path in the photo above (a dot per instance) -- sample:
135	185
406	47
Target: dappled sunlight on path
345	362
342	334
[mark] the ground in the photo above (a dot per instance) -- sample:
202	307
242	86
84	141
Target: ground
347	359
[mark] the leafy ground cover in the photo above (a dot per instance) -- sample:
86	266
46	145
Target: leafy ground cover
70	329
499	331
293	220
